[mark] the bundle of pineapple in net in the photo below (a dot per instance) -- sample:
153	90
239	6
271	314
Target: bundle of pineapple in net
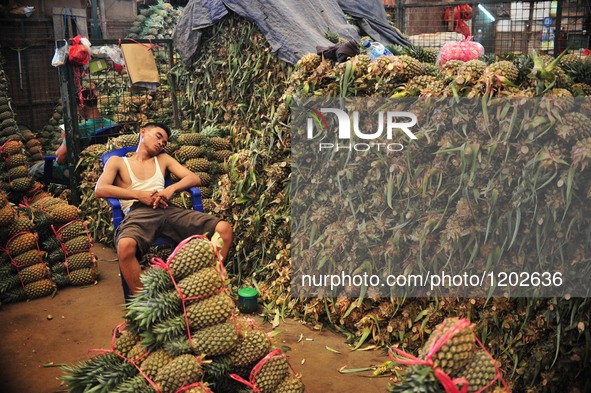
130	367
79	265
273	374
17	169
186	292
450	354
32	280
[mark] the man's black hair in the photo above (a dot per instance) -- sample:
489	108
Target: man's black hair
159	125
89	98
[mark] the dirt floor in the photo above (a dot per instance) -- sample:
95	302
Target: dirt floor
39	335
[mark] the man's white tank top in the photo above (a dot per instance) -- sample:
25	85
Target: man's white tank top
156	182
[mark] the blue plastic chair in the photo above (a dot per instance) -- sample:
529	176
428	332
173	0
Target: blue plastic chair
118	215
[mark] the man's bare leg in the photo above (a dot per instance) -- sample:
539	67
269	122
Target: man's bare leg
128	263
225	231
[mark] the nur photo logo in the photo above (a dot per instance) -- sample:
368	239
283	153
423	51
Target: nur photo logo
390	124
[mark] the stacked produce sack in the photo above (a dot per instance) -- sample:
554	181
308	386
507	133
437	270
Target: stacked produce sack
181	330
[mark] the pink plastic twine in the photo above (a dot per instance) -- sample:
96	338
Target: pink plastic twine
450	385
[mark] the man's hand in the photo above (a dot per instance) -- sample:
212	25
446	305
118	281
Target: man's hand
159	199
164	196
151	198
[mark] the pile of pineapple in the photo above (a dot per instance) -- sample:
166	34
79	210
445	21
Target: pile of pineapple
180	330
8	127
452	350
51	135
413	72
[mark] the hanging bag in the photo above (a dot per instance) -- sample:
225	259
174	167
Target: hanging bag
79	53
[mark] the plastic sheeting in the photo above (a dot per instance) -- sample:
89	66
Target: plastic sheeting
291	28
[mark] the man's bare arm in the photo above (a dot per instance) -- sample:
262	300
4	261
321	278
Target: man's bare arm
187	178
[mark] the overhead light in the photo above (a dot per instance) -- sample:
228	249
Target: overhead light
486	12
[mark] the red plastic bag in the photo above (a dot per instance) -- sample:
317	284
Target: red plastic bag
79	54
464	50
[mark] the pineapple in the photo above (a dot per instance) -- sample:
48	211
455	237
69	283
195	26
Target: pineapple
205	178
145	310
72	230
16	160
137	384
187	152
28	258
581	154
125	342
34	273
81	260
580	90
62	213
193	139
271	374
199	388
202	283
182	371
218	143
18	171
137	353
6	215
198	165
215	340
308	63
469	72
21	224
572	127
85	276
411	67
155	361
210	311
22	243
12	147
291	385
503	70
77	244
40	288
252	347
22	184
418	379
479	372
221	155
455	353
193	256
450	69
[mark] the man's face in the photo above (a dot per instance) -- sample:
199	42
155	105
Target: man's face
155	139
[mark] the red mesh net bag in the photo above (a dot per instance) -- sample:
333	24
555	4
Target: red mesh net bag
464	50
